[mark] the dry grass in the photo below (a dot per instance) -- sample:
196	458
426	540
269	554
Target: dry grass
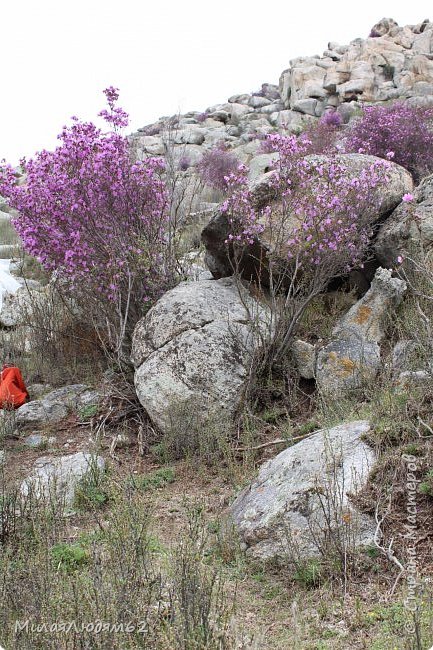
273	611
166	490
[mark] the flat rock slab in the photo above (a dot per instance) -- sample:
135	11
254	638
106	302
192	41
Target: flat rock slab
56	405
282	511
58	478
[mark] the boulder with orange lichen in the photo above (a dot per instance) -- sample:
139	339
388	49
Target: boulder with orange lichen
352	358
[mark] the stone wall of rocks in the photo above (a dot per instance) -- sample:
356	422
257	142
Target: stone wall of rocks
392	63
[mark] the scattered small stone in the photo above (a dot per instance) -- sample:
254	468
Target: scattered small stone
38	440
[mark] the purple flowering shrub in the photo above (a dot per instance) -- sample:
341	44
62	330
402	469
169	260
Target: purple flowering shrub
404	131
216	165
184	163
202	117
328	208
96	217
331	118
320	221
322	135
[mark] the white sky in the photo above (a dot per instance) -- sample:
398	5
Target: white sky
165	56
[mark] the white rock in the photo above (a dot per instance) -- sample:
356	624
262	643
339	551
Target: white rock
261	164
194	346
281	514
56	405
258	102
58	478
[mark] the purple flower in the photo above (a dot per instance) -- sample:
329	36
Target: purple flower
329	204
397	131
217	167
184	163
91	213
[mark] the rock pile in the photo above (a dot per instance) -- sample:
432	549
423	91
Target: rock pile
392	63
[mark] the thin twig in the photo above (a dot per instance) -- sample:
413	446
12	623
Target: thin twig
275	442
388	552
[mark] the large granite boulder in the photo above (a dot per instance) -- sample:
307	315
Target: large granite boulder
194	347
300	499
252	260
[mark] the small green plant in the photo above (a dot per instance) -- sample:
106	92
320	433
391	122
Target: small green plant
372	551
154	545
214	527
259	576
88	411
273	414
69	557
391	425
158	479
308	427
426	487
92	491
309	573
413	450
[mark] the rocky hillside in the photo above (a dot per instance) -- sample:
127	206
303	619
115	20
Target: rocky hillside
392	63
249	464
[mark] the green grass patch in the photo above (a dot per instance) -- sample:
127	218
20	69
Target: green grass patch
155	480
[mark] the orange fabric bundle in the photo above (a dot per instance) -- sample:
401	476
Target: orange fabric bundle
13	392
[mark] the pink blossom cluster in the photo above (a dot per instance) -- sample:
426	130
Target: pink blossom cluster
91	213
116	115
330	208
240	209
